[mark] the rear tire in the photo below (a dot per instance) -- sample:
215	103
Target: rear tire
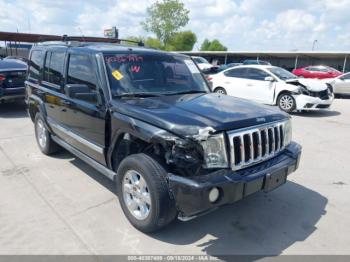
286	102
43	137
144	194
220	90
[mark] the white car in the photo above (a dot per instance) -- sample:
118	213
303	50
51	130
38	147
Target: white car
273	85
202	62
340	84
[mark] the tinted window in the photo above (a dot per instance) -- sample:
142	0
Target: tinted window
239	73
81	71
256	74
53	69
35	64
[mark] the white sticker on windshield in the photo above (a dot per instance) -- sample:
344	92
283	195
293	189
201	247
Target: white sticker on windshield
192	67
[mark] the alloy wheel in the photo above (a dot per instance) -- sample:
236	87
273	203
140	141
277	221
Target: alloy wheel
41	133
136	194
286	102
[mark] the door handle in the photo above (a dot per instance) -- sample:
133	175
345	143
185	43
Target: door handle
249	84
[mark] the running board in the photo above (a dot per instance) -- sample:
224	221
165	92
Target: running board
94	164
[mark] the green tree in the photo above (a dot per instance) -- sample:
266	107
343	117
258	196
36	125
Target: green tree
154	43
214	45
165	18
182	41
205	45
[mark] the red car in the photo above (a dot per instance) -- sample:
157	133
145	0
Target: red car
319	72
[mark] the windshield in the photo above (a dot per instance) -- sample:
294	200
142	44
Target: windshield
153	74
200	60
282	73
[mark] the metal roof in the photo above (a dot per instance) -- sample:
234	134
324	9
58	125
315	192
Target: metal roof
286	54
35	38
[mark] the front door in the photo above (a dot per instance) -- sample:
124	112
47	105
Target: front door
258	88
82	121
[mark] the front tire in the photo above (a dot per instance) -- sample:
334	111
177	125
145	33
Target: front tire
143	193
43	137
286	102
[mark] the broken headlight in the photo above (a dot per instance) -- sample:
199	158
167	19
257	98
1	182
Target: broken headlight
303	91
287	132
214	149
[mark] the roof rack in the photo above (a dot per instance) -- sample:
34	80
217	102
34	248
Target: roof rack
66	38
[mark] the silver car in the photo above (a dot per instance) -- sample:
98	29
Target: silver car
341	84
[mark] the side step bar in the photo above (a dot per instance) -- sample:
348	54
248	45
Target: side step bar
100	168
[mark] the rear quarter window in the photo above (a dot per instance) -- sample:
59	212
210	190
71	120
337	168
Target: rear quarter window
35	64
53	69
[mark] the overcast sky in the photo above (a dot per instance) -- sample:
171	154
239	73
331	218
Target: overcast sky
239	24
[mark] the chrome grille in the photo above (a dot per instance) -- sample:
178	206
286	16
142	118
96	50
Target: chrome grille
253	145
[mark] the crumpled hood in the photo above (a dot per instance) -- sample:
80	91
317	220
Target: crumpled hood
189	115
313	85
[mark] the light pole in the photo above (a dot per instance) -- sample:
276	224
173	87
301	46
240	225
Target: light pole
313	44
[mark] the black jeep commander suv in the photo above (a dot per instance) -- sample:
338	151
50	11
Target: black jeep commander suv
147	120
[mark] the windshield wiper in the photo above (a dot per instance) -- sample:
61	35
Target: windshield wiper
131	95
186	92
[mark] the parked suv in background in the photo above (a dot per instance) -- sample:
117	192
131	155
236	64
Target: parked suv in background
147	120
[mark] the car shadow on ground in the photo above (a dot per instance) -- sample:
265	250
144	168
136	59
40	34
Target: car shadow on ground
13	110
261	225
317	113
97	176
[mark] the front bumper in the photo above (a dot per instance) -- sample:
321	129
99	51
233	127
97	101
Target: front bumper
304	102
192	194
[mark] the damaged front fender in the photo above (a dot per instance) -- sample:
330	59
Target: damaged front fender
183	152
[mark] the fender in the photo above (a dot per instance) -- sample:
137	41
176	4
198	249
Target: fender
122	124
283	87
34	101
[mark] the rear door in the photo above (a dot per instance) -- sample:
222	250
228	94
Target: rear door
82	121
52	83
234	82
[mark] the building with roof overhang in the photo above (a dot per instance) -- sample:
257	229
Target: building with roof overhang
286	59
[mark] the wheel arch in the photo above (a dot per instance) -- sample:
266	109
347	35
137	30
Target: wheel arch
281	92
36	105
135	137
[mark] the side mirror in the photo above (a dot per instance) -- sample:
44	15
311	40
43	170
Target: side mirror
81	92
269	78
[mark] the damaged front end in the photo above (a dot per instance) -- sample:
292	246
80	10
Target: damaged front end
194	154
198	152
310	87
311	94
